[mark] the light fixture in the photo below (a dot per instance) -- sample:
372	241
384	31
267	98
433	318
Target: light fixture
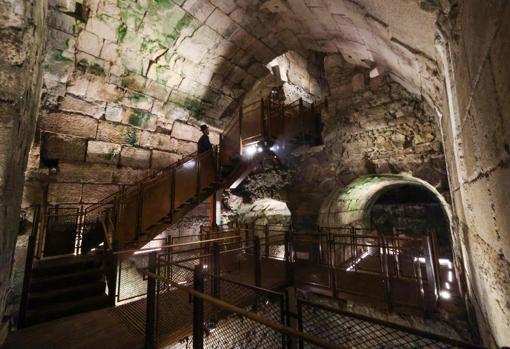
445	294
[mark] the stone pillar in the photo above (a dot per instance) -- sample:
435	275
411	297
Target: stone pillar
22	41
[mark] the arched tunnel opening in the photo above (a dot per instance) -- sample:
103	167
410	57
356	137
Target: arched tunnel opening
412	210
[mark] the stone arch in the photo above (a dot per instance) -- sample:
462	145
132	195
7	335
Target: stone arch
351	205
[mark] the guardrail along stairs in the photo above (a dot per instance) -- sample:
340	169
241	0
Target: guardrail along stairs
131	217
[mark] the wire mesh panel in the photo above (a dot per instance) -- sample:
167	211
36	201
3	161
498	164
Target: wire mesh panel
236	332
354	331
131	282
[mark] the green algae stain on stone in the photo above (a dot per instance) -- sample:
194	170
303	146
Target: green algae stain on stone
59	57
137	97
165	3
138	118
96	69
130	136
121	32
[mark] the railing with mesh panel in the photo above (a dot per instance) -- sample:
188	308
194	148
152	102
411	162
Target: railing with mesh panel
265	303
131	265
396	270
351	330
219	322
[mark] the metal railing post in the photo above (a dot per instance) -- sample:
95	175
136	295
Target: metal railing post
150	321
289	272
257	261
197	165
241	130
431	290
385	271
28	268
216	270
266	240
111	275
198	308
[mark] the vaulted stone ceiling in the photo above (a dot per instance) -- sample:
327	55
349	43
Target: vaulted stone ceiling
197	57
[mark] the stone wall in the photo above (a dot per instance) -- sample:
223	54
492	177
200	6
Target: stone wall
103	123
476	126
371	126
295	75
22	39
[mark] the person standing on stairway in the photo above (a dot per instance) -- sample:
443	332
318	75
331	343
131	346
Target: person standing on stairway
204	144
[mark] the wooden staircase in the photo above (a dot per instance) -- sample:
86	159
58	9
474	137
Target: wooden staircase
130	218
65	286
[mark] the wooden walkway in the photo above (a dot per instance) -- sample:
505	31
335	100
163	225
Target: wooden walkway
123	327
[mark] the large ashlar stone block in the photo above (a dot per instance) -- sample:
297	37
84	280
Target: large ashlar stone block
135	157
114	112
94	193
199	9
63	147
185	132
79	106
89	43
61	21
103	152
222	24
161	159
127	175
117	133
59	193
109	52
158	141
72	124
78	86
81	172
186	148
227	6
98	89
105	29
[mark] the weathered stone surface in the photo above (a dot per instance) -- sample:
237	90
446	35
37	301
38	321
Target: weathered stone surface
185	132
161	159
116	133
79	106
135	157
59	193
89	43
158	141
71	124
127	175
114	112
96	192
103	152
80	172
62	147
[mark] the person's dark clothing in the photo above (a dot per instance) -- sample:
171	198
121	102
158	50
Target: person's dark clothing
204	144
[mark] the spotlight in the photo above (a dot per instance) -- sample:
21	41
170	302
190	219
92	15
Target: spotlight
445	294
250	150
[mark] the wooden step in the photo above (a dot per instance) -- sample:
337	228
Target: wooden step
74	292
55	311
65	265
39	284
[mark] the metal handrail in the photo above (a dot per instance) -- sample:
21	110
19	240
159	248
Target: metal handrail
278	327
414	331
